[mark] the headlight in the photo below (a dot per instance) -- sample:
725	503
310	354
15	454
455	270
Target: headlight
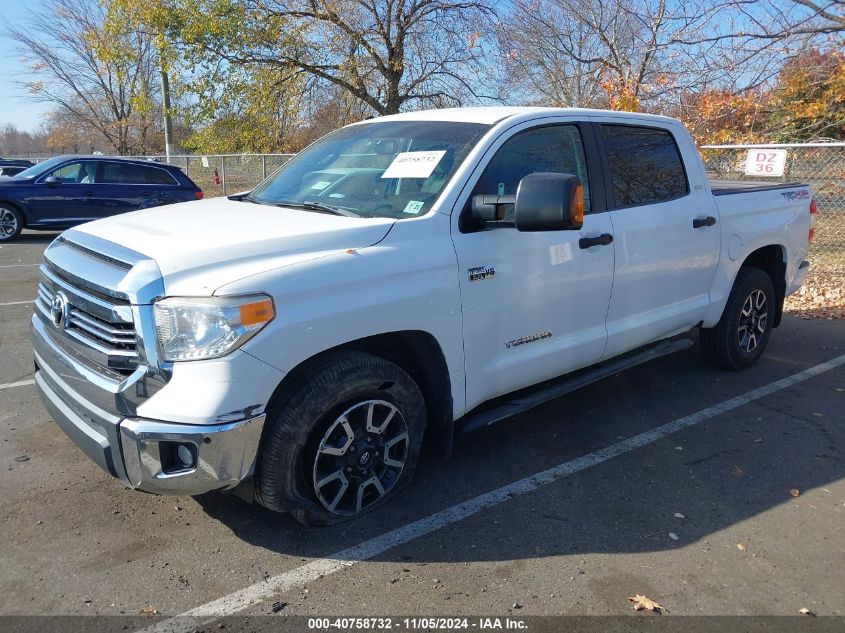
196	329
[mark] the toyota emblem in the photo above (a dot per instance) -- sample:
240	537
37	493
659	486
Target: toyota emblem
59	309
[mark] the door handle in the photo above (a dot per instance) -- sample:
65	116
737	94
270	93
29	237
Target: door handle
699	222
602	240
90	193
145	194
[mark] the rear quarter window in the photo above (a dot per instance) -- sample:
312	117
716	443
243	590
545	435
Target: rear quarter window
130	174
645	165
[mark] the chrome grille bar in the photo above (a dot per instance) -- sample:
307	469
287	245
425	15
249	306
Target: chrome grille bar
102	330
96	329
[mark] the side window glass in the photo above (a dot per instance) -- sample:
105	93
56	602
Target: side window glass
155	176
129	174
645	165
76	173
553	148
111	173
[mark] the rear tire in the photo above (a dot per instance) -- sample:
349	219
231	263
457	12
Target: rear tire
11	223
343	440
740	337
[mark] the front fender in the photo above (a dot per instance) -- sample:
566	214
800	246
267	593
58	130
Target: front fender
408	281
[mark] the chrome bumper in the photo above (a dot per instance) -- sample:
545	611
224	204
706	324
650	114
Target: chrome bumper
138	451
224	454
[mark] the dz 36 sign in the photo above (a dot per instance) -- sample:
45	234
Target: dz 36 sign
765	162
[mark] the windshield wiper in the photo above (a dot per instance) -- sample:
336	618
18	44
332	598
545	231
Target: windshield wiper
318	206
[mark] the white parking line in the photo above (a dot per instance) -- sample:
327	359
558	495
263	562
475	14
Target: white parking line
20	383
18	265
261	591
17	303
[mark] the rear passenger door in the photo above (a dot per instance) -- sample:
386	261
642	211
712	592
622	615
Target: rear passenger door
665	261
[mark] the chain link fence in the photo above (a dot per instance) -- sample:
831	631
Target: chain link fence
225	174
820	165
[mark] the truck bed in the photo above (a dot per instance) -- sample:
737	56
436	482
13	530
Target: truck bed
729	187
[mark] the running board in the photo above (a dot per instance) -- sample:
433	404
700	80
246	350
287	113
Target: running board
530	399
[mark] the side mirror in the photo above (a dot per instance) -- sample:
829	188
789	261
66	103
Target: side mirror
52	181
548	201
490	208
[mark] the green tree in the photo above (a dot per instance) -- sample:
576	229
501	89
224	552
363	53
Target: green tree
386	54
808	101
158	20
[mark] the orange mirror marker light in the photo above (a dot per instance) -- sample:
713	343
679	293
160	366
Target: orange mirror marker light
577	204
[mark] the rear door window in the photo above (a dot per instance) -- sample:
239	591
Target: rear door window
130	174
645	165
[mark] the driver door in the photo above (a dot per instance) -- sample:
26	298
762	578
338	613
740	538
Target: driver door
534	303
72	199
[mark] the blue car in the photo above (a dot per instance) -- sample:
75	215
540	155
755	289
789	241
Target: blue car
68	190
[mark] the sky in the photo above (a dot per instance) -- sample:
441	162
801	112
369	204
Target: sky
14	107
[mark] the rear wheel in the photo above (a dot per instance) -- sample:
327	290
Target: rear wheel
11	223
345	439
741	335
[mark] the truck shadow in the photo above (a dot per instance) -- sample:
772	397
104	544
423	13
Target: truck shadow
716	474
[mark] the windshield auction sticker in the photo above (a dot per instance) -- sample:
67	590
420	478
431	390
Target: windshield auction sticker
413	164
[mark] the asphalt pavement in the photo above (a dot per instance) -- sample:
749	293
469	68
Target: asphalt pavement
711	492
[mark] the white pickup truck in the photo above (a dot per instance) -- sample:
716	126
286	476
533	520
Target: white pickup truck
425	273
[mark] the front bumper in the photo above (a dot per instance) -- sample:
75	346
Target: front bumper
139	451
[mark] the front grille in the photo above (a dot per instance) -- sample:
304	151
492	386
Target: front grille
98	327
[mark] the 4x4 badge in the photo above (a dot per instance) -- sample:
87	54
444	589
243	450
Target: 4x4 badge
59	309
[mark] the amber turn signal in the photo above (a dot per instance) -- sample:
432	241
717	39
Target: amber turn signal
257	312
577	204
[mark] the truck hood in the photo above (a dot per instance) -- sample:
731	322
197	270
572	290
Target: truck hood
203	245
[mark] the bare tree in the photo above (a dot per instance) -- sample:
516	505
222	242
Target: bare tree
640	53
20	143
385	53
791	19
550	63
105	83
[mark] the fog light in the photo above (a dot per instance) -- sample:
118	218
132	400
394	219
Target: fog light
177	457
186	457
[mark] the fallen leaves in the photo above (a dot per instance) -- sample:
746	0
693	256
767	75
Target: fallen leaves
794	492
821	297
149	611
674	536
642	603
678	515
805	611
741	547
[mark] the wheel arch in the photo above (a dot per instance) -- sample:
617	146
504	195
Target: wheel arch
418	353
771	259
17	207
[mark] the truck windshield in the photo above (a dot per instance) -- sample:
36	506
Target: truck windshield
381	169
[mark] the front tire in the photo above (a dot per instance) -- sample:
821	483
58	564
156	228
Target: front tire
11	223
344	438
741	335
